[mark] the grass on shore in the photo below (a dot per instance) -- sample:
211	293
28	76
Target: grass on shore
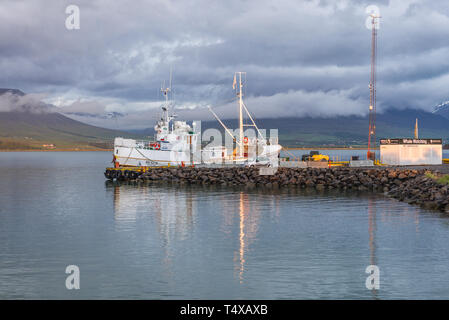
444	179
31	144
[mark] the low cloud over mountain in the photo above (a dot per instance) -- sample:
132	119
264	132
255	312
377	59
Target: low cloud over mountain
13	100
302	58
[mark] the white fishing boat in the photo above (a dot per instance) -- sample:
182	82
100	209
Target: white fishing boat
177	143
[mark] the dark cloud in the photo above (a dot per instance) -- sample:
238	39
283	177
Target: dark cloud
301	57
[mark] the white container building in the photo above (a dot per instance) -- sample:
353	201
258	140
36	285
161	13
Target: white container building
411	151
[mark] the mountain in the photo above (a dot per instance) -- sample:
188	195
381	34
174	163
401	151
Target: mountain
34	126
442	109
353	130
345	131
25	130
12	91
49	130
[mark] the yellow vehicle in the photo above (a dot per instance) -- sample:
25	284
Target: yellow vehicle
315	156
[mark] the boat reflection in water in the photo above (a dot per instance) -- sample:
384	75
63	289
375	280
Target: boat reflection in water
173	211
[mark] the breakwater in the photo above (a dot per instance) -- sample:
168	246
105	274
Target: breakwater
414	186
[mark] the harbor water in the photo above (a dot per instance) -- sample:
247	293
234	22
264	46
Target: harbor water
135	241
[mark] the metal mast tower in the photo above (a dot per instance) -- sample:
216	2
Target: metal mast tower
241	106
372	90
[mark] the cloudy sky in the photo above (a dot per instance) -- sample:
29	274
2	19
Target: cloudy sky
301	57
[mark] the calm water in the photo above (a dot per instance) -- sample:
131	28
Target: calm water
162	242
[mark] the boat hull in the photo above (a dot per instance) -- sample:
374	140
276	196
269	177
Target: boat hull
140	157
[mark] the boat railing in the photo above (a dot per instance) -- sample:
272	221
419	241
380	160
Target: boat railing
145	143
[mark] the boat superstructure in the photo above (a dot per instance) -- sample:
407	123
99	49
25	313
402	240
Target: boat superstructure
176	143
249	149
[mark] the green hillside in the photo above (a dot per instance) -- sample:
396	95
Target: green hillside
25	130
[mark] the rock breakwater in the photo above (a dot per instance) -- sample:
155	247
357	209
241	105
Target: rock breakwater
408	185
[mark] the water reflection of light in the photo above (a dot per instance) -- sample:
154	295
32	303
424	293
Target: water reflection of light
390	214
371	230
249	217
372	236
242	237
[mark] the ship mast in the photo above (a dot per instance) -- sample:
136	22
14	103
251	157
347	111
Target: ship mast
239	92
241	106
165	91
